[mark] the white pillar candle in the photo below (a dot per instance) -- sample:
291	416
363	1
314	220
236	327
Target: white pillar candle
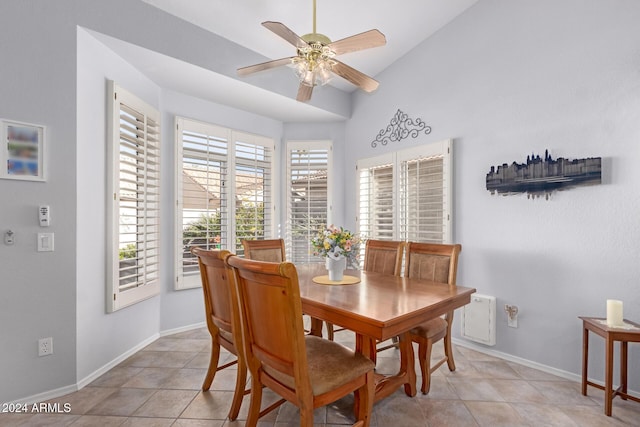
614	312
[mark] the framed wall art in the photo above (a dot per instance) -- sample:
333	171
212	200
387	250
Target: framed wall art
22	151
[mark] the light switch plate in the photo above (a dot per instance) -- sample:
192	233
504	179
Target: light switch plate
45	242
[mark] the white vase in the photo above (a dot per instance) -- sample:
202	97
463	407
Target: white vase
336	268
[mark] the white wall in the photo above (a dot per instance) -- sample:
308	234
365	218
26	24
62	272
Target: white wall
504	79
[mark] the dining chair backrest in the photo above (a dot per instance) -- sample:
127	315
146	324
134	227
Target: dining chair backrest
270	250
271	315
383	256
432	261
215	286
223	321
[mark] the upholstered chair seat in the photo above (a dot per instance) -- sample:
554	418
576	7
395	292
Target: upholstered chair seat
431	329
330	365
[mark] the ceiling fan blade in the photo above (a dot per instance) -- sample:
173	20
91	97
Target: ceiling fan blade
359	79
283	31
366	40
304	92
264	66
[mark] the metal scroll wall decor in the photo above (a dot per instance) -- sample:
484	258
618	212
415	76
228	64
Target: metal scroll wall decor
399	128
541	176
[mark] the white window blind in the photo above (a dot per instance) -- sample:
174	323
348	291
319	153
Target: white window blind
421	179
253	204
423	200
223	192
134	197
308	175
377	213
202	214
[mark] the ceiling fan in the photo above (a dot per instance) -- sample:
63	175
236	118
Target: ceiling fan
315	60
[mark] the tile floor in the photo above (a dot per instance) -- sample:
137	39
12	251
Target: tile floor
160	386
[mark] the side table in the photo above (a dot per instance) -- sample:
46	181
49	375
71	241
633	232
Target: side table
629	332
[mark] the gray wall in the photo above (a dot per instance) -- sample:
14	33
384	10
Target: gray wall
511	77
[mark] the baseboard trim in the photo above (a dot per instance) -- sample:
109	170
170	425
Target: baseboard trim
115	362
528	363
182	329
511	358
52	394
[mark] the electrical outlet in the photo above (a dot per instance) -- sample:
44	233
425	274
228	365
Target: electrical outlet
45	346
512	315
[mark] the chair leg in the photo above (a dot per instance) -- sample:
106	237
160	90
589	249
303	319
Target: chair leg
424	356
254	404
238	394
363	398
213	364
329	331
448	351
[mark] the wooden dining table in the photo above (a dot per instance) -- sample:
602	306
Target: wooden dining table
378	308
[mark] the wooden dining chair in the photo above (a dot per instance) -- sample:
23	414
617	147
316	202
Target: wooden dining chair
380	256
271	250
438	263
307	371
219	317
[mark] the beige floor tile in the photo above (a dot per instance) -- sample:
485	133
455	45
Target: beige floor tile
590	416
447	413
116	376
399	410
562	392
476	356
543	414
160	359
528	373
49	420
289	413
166	404
440	389
148	422
122	402
99	420
83	400
201	360
200	423
496	414
150	378
14	418
499	369
186	379
518	391
212	406
475	389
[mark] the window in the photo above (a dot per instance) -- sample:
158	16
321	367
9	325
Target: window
133	188
406	195
223	192
308	172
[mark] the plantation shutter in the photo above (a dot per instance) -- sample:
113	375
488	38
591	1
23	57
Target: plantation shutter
202	213
426	193
307	206
422	192
376	200
134	191
253	198
421	176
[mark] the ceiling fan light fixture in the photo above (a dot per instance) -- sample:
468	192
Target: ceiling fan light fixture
314	62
